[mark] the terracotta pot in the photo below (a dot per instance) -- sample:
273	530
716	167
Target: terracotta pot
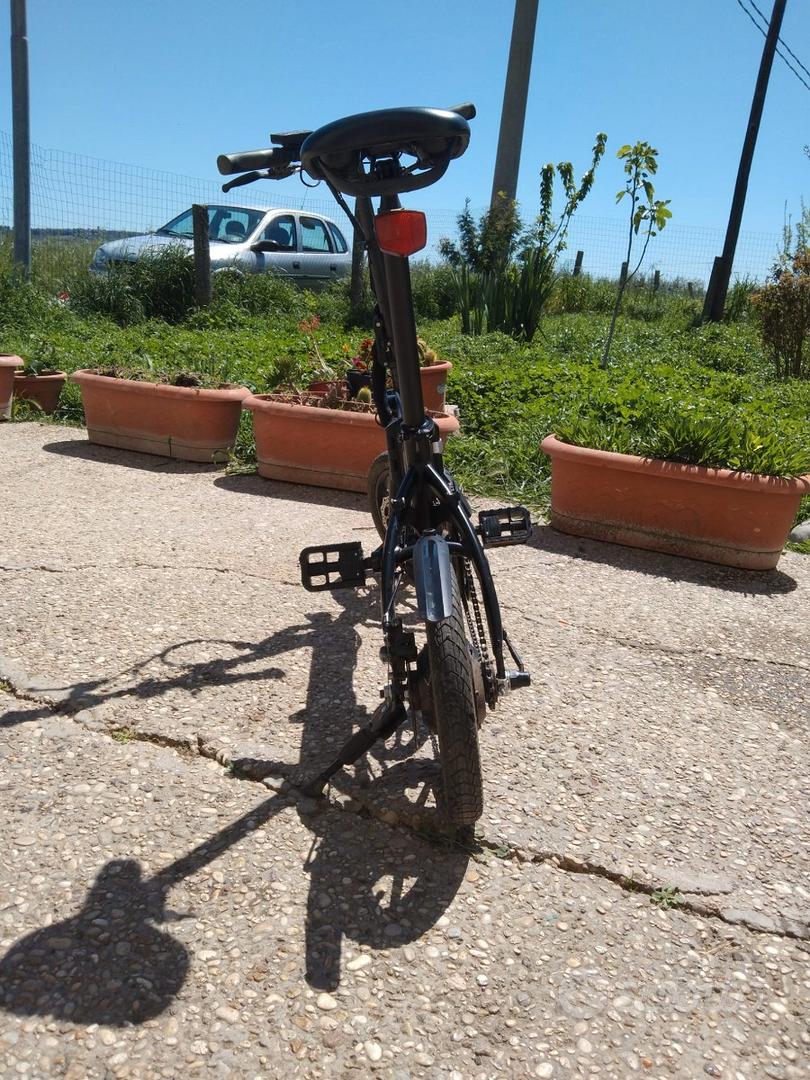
7	365
182	422
434	385
43	390
717	515
331	448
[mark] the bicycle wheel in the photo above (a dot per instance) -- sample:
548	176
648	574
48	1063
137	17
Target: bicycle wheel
379	496
454	713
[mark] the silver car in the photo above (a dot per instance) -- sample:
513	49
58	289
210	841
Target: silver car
307	248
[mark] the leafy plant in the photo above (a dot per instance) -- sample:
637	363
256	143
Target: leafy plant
666	897
504	276
548	234
783	308
640	163
486	246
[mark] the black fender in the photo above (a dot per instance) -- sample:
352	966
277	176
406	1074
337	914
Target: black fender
433	578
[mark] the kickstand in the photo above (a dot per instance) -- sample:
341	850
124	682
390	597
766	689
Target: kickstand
386	719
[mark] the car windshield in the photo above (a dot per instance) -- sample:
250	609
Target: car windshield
226	224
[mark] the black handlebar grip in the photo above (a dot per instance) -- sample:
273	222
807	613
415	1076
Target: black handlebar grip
466	109
246	160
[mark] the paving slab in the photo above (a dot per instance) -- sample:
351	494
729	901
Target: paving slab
151	615
160	917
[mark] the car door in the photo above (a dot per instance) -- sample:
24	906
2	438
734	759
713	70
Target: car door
285	260
319	264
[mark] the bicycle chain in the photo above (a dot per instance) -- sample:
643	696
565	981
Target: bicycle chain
477	632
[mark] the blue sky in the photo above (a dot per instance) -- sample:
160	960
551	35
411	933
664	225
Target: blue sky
169	85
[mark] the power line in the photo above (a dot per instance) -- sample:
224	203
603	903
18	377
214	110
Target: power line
782	56
781	39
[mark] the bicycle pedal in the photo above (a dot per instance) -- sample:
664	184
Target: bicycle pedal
509	525
332	566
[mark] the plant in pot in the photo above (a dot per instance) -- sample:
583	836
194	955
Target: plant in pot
327	435
432	370
40	380
8	364
191	415
721	488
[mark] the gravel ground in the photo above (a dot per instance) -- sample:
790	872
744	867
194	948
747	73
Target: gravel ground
162	913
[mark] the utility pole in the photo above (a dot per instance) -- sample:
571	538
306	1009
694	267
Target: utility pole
513	115
21	137
721	271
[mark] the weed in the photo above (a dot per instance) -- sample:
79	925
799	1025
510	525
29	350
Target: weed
666	897
122	735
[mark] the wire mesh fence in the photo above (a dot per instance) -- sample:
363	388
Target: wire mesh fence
77	199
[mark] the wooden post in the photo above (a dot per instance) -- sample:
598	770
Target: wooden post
515	95
202	256
714	304
20	126
656	281
691	290
623	275
578	263
356	286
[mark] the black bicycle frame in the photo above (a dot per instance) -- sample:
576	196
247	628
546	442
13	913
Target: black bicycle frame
416	473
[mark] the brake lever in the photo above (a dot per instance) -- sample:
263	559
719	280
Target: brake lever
247	178
281	172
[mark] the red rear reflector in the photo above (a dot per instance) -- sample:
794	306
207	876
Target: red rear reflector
401	232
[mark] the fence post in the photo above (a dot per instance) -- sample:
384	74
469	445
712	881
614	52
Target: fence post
656	281
20	121
690	289
202	256
578	263
356	286
623	275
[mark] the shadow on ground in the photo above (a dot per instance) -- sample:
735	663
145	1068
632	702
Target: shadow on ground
670	567
111	964
128	459
253	484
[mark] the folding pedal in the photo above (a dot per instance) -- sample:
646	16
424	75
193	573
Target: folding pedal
509	525
332	566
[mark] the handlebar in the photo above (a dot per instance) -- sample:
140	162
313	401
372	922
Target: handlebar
245	160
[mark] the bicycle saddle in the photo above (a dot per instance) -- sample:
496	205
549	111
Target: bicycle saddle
359	154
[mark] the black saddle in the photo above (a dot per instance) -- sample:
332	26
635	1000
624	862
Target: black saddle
361	155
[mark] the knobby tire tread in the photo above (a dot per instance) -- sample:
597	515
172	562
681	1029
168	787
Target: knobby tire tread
451	682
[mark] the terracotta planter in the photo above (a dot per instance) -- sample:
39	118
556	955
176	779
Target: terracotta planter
717	515
434	385
43	390
331	448
7	365
182	422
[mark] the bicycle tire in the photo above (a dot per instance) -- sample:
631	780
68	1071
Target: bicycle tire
378	493
455	716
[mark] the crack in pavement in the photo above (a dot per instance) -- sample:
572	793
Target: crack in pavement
255	771
68	569
659	647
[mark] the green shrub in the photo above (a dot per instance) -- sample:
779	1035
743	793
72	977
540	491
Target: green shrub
434	291
783	310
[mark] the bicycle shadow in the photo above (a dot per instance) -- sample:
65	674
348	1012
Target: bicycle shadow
112	963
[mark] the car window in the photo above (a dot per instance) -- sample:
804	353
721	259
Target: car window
314	236
282	230
232	224
337	236
226	224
